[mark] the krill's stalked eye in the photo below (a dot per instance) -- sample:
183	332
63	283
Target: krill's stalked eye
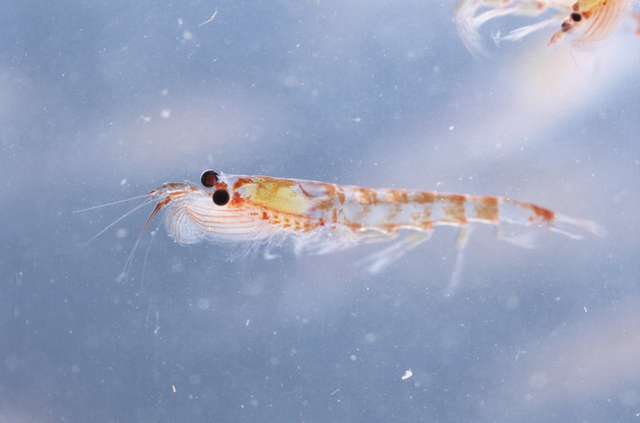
221	197
576	17
209	178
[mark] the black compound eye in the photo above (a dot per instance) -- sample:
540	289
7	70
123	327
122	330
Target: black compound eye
221	197
209	178
576	17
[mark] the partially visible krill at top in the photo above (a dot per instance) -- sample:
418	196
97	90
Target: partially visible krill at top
319	218
587	22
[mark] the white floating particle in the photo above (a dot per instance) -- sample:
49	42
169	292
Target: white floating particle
203	303
290	81
407	374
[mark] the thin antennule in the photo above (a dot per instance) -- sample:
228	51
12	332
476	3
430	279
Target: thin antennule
115	202
139	206
159	206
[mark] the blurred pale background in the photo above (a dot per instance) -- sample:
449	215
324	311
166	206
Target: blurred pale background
102	102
